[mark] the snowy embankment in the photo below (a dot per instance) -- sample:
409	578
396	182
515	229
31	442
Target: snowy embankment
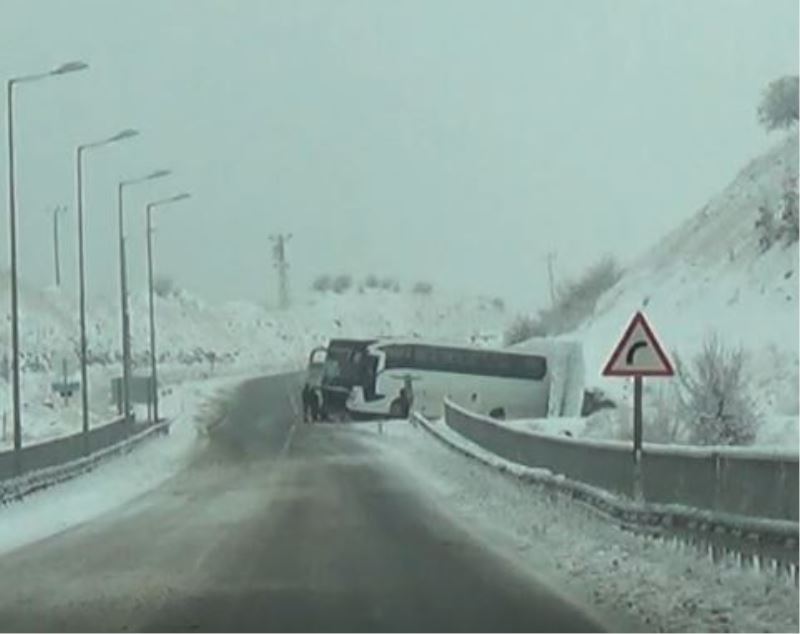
710	275
199	340
659	585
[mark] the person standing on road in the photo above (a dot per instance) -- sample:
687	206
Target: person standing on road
314	405
307	396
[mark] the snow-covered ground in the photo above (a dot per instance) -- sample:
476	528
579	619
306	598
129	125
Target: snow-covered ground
115	482
635	583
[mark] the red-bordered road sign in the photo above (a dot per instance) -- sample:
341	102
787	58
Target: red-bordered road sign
638	352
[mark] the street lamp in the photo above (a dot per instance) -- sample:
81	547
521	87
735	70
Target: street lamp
120	136
123	284
57	211
12	234
153	369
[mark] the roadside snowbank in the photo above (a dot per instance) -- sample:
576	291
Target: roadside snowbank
636	582
116	482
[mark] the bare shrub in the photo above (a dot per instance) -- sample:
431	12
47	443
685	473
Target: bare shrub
498	304
713	399
522	329
576	301
422	288
387	283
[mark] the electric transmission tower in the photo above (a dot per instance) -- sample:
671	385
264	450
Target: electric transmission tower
279	261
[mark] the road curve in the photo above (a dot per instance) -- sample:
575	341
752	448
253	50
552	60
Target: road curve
275	526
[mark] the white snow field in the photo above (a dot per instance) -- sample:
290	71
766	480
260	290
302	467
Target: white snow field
661	586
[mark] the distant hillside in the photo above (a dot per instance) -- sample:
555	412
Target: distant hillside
710	274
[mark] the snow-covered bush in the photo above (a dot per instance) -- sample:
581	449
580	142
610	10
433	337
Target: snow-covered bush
371	281
388	283
498	304
789	229
779	104
341	284
423	288
322	284
522	329
713	399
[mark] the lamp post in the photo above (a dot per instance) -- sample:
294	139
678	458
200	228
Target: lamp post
12	234
153	364
120	136
58	210
123	285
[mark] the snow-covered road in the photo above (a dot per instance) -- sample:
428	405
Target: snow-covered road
215	530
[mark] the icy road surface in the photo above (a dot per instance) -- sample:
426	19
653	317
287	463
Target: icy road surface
276	525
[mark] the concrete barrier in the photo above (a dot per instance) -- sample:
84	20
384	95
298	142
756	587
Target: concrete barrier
733	481
51	453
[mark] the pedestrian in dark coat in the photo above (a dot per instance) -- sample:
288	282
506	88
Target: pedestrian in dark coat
307	396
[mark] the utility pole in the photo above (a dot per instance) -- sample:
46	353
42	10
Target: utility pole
16	395
550	257
56	257
280	263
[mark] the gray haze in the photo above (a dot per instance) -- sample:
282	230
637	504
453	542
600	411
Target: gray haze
456	141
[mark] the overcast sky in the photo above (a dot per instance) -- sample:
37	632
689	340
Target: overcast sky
456	141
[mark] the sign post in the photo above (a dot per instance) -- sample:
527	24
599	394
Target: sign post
638	354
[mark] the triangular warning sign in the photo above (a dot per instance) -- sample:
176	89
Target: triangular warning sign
638	353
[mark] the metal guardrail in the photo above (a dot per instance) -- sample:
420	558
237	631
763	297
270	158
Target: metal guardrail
731	480
765	540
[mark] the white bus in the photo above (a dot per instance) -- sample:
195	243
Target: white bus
501	383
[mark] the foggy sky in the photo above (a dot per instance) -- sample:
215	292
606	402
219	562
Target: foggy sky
454	141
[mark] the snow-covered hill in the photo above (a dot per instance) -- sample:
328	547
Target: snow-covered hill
711	276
